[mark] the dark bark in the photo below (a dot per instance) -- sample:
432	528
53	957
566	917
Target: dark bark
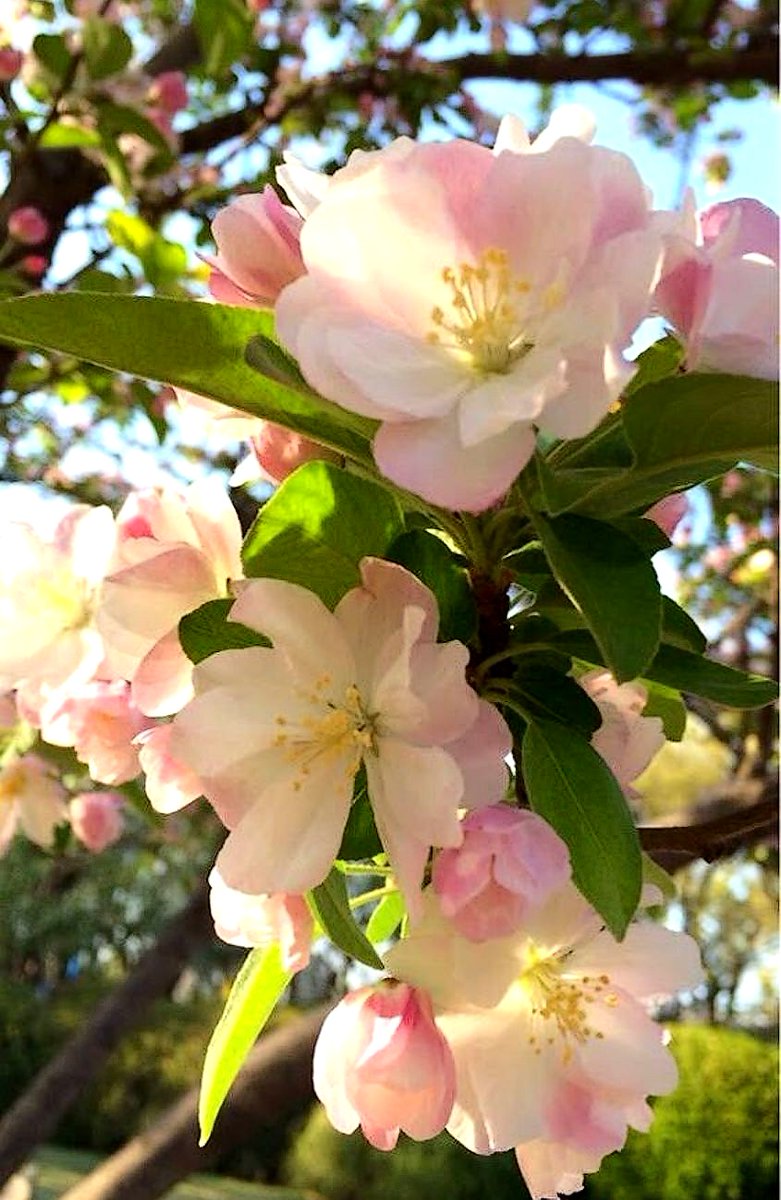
274	1083
37	1112
673	846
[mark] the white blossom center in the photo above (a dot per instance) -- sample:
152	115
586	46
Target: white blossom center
341	729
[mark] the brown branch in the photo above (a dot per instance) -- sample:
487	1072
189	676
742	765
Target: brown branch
674	846
387	78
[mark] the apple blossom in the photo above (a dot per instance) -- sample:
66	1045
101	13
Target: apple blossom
34	264
719	287
508	863
30	800
169	92
380	1062
279	451
28	226
505	307
258	251
367	683
96	819
242	920
626	739
100	720
174	552
169	784
49	591
548	1026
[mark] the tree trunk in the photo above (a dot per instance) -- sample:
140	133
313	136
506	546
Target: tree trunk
37	1112
275	1081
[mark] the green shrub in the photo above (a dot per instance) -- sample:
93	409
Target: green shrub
715	1137
712	1139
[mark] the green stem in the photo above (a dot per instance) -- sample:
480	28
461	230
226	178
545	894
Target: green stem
353	868
369	897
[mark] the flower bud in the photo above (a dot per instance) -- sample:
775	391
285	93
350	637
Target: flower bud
28	226
96	819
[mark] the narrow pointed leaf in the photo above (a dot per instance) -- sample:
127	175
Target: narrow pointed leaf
256	989
330	906
570	785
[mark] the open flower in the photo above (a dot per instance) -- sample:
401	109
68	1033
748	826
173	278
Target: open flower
174	553
367	684
258	250
49	590
548	1026
30	800
380	1062
100	720
464	297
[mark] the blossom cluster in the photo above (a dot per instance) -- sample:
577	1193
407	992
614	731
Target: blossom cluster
511	1015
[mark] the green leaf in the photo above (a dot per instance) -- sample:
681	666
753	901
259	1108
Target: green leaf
268	358
163	262
225	32
59	136
256	989
427	556
51	50
660	360
541	693
681	431
571	786
666	703
208	630
114	119
318	526
386	918
360	838
145	336
107	48
613	584
678	629
684	671
330	906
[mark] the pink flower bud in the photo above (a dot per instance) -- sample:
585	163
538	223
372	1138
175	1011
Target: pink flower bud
169	92
243	920
258	247
28	226
509	863
669	512
10	63
380	1062
279	451
96	819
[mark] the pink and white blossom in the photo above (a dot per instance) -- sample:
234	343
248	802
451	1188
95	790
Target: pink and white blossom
31	801
242	920
28	225
509	862
380	1062
279	451
174	552
626	739
258	250
719	287
96	819
367	684
548	1027
463	330
100	720
49	591
169	783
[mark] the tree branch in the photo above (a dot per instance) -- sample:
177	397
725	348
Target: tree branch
673	846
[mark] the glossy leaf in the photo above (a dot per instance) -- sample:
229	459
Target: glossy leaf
539	692
107	47
331	909
613	584
571	786
256	989
386	918
144	336
318	526
667	704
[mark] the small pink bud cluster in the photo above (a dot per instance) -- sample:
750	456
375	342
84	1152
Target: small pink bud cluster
96	819
10	63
